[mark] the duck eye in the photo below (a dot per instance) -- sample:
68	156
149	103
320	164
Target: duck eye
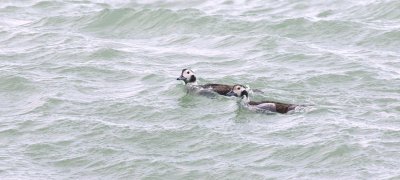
188	72
238	88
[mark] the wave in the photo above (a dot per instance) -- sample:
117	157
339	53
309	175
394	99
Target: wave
147	23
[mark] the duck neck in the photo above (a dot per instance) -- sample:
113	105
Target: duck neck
191	83
192	80
246	99
245	96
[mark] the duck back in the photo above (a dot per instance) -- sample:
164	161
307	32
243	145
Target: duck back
221	89
279	107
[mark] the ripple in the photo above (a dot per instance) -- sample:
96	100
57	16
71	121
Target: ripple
15	83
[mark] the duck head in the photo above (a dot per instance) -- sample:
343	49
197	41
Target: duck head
187	76
239	91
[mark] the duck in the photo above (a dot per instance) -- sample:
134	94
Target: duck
189	77
261	106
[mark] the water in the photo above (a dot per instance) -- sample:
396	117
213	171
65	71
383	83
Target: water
88	89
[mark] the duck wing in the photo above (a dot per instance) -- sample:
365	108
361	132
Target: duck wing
221	89
273	106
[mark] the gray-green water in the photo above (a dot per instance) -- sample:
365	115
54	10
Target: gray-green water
88	89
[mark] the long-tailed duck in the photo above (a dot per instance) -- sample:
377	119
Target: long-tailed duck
262	106
190	80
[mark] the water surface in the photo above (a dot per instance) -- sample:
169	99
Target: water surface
88	89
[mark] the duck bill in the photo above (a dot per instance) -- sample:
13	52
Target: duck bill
181	78
231	93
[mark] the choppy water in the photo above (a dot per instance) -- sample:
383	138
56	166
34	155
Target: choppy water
88	89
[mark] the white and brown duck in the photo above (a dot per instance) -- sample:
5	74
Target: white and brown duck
190	80
261	106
